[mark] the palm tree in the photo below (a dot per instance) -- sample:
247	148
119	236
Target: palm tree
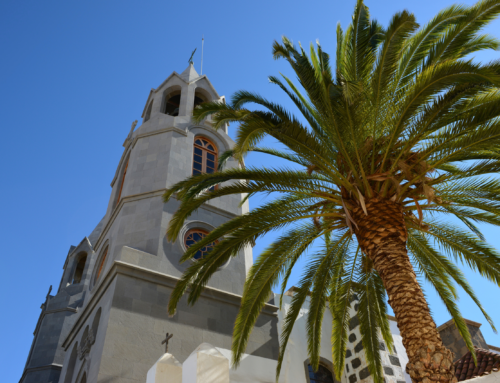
390	161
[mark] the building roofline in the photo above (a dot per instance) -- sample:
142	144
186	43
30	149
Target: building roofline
451	322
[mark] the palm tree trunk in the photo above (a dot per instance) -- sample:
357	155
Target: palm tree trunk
382	236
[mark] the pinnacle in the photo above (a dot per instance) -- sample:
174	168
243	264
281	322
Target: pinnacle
189	73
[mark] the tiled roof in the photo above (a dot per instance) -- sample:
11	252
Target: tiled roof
487	362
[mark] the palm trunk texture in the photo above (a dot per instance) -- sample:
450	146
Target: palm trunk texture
382	237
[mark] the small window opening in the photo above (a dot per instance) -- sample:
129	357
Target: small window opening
172	104
323	375
148	112
195	235
80	266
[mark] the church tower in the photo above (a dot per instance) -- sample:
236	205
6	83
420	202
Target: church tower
108	318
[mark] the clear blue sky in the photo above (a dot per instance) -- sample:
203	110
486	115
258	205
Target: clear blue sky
73	77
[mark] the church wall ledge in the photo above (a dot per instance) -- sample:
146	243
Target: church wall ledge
134	271
55	311
132	143
52	366
150	194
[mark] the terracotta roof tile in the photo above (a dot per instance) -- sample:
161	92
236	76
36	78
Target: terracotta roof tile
487	362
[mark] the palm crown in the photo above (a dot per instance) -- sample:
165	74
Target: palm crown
396	139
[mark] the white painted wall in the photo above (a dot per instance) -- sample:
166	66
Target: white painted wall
398	344
293	369
252	369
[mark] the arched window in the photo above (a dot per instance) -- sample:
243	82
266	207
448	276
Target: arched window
121	183
193	236
173	100
80	266
101	264
205	156
323	375
148	111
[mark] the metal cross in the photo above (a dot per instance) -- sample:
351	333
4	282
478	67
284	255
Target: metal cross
165	341
191	58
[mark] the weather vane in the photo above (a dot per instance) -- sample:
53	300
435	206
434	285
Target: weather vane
191	58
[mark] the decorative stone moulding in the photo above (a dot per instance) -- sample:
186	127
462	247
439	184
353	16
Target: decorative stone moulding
84	347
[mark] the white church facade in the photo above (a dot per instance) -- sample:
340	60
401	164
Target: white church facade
108	318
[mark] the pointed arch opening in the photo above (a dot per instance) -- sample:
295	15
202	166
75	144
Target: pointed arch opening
95	322
80	267
71	364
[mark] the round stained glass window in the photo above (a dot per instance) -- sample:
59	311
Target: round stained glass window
193	236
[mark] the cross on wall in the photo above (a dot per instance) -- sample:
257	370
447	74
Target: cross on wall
165	341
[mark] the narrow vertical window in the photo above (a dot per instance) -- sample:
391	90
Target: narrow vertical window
205	156
101	265
80	266
148	112
121	185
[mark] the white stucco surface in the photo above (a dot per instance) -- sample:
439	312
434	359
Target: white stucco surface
295	358
252	369
205	365
166	369
398	344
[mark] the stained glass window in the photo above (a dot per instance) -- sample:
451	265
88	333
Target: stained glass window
323	375
193	236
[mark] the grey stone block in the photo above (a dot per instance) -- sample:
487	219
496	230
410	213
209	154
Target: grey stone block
364	373
358	347
353	322
356	363
388	371
394	360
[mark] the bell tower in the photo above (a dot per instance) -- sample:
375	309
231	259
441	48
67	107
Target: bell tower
167	148
126	269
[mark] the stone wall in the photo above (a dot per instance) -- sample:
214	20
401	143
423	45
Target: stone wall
453	340
139	320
